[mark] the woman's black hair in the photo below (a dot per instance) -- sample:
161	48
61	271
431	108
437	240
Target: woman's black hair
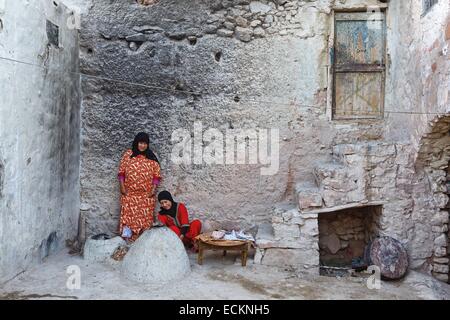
143	137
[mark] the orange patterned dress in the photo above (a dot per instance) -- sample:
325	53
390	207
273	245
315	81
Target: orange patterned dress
137	206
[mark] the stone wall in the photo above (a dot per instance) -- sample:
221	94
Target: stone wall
417	49
276	81
39	134
432	166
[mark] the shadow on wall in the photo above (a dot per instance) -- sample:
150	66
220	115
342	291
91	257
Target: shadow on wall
49	245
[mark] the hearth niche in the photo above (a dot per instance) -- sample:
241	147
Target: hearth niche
343	237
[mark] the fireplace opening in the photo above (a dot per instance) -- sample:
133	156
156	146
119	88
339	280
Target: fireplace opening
343	237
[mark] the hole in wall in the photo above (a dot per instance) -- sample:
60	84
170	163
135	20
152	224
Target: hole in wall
135	45
1	25
236	99
193	41
218	56
55	3
52	33
90	51
343	237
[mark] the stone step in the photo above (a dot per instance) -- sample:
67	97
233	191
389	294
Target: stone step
339	184
328	169
265	237
308	196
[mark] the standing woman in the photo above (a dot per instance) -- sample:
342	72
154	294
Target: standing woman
139	175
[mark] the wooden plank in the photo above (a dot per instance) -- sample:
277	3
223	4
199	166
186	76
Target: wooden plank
358	42
358	94
359	68
354	16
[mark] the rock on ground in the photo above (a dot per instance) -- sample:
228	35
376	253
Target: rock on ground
101	250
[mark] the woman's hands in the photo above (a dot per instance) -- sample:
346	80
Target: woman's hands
152	192
123	190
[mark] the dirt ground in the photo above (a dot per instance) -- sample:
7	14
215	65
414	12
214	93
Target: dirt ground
218	278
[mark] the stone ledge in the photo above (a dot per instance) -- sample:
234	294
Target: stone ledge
345	206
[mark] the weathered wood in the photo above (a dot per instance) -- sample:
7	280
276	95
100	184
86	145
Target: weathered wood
359	66
389	255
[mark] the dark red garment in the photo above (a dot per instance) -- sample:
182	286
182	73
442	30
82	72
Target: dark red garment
182	220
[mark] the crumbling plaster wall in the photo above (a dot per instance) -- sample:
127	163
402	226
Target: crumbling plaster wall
258	64
39	134
277	69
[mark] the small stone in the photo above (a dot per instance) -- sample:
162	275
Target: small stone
439	229
440	268
266	25
176	35
133	46
212	19
441	241
225	33
259	254
259	32
441	260
192	40
287	216
85	207
241	22
137	37
440	252
255	23
229	25
276	219
244	34
256	6
210	29
148	28
268	19
441	277
230	19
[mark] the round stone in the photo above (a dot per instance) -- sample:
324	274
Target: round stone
389	255
158	255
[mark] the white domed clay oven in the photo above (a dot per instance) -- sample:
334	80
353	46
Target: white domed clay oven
158	255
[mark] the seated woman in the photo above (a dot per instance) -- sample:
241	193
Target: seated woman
175	216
